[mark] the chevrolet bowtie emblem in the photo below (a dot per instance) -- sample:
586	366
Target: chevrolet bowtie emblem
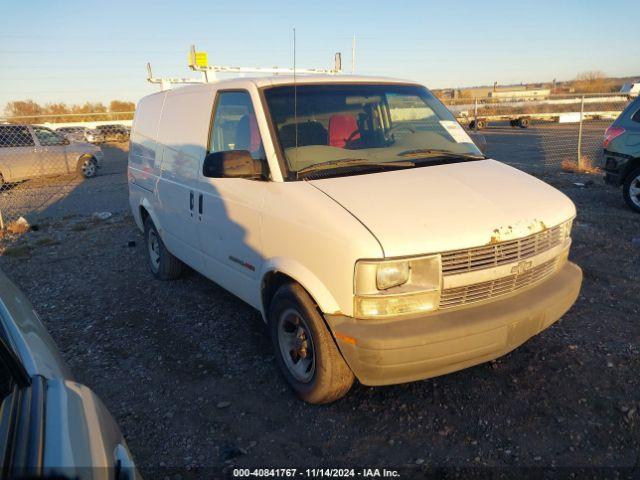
521	267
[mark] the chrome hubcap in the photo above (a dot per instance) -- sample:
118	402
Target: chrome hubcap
634	191
153	244
296	345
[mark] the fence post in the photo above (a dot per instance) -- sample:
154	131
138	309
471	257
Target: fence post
475	115
580	134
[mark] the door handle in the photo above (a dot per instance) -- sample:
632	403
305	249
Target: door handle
200	204
191	200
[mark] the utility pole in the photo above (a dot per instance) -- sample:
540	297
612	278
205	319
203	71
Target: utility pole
580	166
353	54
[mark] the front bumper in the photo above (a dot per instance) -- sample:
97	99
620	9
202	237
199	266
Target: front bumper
398	351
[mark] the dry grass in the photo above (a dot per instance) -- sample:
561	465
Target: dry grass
17	228
586	166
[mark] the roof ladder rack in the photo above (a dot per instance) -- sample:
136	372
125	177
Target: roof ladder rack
198	63
167	82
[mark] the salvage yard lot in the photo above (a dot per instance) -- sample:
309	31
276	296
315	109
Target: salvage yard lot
539	149
188	372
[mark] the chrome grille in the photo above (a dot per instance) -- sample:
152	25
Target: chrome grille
477	292
489	256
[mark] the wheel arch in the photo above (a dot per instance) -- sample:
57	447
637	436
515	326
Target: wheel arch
278	272
144	211
5	171
629	167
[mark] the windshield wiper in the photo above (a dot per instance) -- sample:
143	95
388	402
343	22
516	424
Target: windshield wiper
352	162
430	152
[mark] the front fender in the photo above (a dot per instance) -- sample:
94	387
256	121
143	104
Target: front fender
301	274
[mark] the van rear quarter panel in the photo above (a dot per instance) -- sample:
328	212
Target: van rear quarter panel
145	154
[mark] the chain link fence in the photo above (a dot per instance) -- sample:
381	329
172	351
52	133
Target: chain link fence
542	135
44	158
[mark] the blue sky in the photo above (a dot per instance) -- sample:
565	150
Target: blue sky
97	50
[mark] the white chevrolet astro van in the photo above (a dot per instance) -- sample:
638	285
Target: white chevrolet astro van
358	217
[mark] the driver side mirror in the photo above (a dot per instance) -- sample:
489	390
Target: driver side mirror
232	164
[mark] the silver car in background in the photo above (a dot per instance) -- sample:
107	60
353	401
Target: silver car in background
50	425
32	151
75	134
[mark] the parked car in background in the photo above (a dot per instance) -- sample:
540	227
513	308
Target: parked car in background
50	425
75	134
622	154
113	133
95	136
31	151
358	217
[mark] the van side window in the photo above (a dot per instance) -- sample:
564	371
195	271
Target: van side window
48	137
235	126
636	116
15	136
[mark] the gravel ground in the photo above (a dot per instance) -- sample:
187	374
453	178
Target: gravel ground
188	372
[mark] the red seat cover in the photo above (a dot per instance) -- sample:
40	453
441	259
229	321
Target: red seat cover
342	128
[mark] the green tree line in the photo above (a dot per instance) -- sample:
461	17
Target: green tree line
33	112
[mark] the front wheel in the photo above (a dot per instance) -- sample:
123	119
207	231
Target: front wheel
305	351
631	190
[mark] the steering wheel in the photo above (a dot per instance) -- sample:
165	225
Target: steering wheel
352	138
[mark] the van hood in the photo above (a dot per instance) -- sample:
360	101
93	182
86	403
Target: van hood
448	207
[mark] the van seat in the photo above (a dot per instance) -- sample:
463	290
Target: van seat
342	129
309	133
247	134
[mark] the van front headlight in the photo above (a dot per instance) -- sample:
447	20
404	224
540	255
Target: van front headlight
389	288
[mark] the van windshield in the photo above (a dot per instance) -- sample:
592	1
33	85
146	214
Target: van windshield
344	129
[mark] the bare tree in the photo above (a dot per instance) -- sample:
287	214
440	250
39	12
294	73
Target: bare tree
592	81
23	108
120	106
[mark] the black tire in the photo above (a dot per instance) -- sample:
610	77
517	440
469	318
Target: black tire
632	180
523	122
87	166
166	266
481	124
331	377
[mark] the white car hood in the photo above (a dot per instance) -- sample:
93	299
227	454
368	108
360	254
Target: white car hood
448	207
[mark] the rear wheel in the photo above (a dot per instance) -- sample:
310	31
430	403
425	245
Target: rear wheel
631	190
523	122
87	166
162	263
305	351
